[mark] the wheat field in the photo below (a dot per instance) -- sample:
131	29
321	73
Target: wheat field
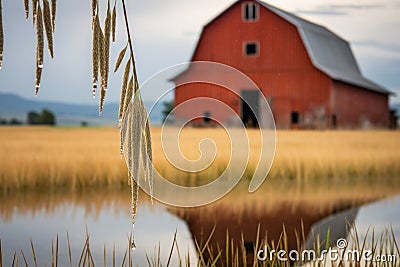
48	158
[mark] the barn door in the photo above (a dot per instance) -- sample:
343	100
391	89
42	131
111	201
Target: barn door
249	107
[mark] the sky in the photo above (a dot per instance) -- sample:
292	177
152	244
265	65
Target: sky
165	33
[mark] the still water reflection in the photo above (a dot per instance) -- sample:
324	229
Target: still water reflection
106	216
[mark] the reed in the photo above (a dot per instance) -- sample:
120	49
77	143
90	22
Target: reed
233	255
48	158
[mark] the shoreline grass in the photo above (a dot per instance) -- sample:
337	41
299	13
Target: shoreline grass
47	158
230	254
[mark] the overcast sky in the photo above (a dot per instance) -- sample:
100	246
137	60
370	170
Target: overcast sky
165	33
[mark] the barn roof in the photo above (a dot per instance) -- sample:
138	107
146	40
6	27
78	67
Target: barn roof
328	52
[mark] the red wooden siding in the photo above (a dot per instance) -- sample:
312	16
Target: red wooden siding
282	69
357	107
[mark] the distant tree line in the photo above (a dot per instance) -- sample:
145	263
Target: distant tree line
12	121
46	117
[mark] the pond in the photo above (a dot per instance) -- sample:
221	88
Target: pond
105	216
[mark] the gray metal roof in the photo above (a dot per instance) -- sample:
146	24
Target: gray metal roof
328	52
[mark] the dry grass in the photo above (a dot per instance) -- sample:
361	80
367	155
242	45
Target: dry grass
231	254
45	158
41	157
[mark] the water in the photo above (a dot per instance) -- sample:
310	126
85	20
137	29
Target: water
105	215
106	218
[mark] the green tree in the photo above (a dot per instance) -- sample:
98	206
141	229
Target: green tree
168	107
33	118
47	117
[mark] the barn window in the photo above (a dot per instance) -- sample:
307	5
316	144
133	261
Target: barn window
251	49
250	11
295	118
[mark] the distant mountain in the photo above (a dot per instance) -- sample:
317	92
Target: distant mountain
13	106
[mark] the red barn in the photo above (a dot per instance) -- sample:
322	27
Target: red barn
307	73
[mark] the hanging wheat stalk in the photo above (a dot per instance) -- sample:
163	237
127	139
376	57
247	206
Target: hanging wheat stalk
53	15
114	20
132	115
43	18
1	35
26	6
39	48
48	26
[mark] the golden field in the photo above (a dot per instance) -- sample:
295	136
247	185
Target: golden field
50	158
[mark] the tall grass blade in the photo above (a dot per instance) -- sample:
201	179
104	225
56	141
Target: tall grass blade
256	245
178	251
202	247
15	259
227	247
328	239
69	251
83	254
215	260
172	249
104	256
23	257
130	241
124	259
158	258
188	259
148	260
57	251
243	249
33	253
90	256
394	241
200	256
52	254
365	240
113	257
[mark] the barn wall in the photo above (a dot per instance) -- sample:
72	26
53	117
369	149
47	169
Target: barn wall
282	70
356	107
217	111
